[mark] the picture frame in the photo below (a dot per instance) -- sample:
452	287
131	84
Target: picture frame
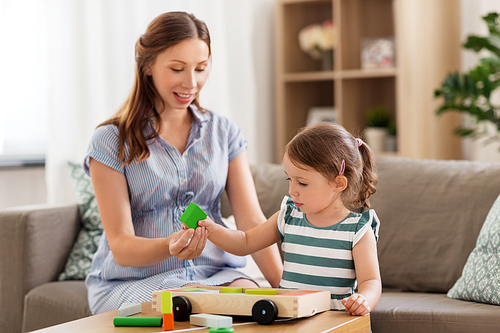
377	53
319	114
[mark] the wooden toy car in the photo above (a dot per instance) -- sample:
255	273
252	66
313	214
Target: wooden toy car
263	304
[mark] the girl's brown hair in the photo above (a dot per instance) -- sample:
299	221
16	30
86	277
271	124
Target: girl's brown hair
323	147
138	111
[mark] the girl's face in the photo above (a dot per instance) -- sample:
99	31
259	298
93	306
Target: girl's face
180	72
309	189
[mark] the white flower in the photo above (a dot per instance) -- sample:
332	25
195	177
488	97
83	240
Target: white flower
315	39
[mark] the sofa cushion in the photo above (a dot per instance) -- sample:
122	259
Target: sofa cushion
430	214
432	313
54	303
480	280
80	258
270	184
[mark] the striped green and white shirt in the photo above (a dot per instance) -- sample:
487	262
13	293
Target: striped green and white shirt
320	258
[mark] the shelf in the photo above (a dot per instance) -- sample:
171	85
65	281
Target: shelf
310	76
423	57
368	73
334	75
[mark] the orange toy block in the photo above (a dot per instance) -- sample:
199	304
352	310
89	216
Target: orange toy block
168	321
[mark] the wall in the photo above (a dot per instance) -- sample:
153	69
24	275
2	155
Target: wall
27	186
23	186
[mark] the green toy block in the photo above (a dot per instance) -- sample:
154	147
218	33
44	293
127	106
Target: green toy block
192	215
221	330
137	321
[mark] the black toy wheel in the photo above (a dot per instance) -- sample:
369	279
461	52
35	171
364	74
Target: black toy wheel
181	308
264	312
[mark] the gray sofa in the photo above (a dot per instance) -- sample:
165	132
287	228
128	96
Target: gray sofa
431	213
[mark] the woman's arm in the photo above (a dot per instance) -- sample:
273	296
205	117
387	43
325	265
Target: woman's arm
110	187
248	214
365	259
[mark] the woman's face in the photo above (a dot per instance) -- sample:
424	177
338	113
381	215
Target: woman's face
180	72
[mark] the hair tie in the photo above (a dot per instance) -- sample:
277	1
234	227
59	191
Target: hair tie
342	168
359	141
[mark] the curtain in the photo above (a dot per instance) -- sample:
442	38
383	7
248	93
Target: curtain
91	71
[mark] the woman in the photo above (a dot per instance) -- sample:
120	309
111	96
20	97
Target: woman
160	152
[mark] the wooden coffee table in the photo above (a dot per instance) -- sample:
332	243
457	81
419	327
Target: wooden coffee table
329	321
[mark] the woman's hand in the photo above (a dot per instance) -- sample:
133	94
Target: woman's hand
356	305
188	244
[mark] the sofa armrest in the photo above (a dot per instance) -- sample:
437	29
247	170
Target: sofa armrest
35	242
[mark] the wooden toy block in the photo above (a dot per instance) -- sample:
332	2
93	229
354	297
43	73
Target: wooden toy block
137	321
232	290
212	291
192	215
128	309
166	302
261	291
168	321
210	320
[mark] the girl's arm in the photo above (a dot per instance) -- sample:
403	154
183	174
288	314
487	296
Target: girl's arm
241	242
110	187
365	259
245	206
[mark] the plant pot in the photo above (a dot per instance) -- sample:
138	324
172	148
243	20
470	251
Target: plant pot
375	137
391	143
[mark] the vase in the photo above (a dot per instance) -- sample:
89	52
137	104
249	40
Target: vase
328	60
375	138
391	143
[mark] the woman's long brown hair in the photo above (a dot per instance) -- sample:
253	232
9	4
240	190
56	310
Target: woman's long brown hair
138	111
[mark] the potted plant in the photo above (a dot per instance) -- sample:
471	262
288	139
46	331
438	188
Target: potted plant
471	92
391	143
375	134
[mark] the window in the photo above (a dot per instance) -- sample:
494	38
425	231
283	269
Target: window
23	81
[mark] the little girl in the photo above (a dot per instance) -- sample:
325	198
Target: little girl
326	244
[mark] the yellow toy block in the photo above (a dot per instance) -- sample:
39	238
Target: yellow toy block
166	302
261	291
232	290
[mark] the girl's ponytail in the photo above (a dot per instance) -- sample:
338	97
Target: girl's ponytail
369	178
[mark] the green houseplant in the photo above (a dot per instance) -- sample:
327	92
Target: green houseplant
376	133
471	92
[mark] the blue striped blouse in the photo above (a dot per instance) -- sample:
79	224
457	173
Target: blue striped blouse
160	189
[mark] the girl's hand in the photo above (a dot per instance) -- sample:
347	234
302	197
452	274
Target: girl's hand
188	244
356	305
208	224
